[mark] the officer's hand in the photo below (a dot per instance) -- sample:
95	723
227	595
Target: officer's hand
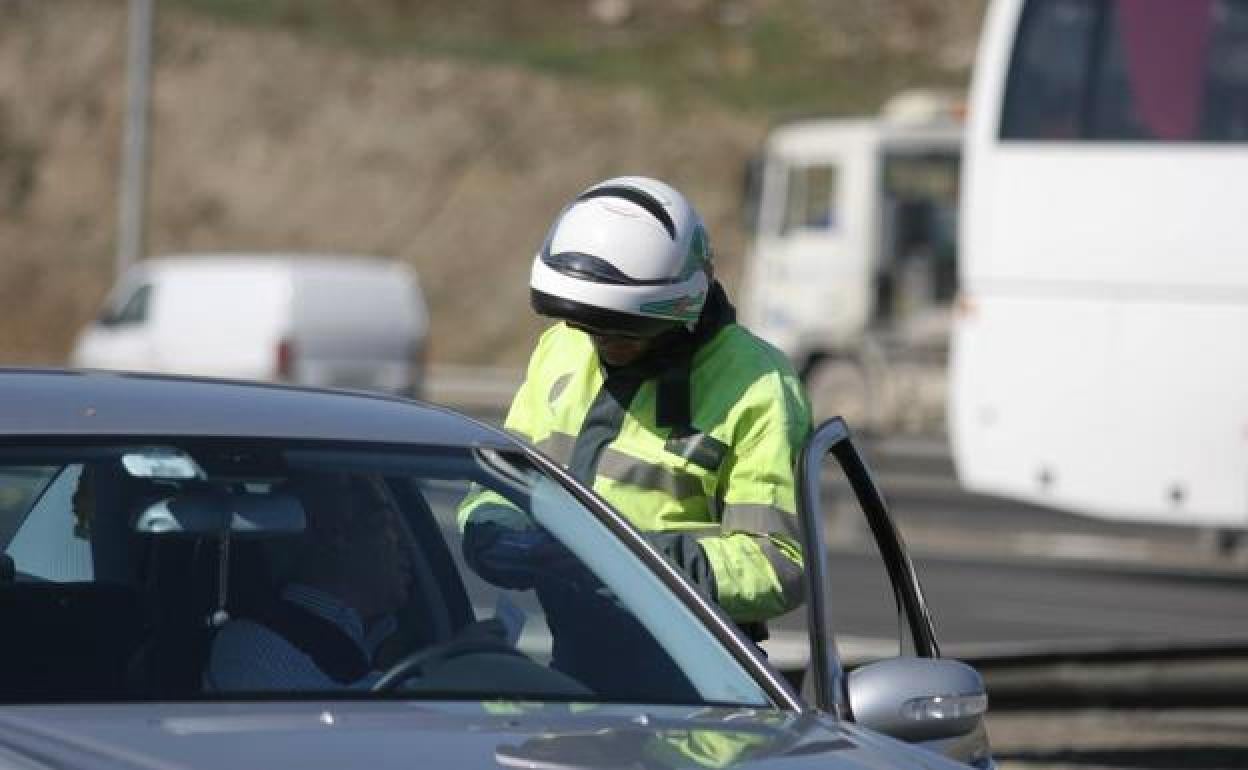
686	554
516	558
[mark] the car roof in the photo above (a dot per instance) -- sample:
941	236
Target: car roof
58	402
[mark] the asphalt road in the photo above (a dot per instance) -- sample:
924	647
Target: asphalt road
993	603
998	572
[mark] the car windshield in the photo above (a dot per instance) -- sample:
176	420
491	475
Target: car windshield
266	569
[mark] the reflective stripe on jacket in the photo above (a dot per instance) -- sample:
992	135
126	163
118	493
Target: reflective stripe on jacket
729	481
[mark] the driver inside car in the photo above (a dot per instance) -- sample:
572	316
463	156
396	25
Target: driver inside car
322	631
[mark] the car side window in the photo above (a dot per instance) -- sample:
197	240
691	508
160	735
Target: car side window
521	607
20	487
50	543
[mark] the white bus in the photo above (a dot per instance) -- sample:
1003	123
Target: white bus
1099	359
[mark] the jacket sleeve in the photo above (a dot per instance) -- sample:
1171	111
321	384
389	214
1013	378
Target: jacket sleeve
756	559
524	419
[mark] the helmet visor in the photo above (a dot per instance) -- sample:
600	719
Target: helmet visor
599	321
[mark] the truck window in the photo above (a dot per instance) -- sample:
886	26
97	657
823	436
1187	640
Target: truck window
810	198
1129	71
920	211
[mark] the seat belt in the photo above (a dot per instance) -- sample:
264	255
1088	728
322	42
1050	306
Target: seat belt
330	647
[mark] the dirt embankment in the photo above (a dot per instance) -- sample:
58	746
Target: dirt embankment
264	141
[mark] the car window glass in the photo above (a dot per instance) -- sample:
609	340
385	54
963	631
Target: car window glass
50	543
595	614
216	568
20	487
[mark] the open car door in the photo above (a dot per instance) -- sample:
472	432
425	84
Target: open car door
918	697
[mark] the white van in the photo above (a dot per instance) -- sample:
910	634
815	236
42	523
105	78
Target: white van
354	322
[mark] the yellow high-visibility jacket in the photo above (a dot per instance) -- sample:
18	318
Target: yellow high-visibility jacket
728	481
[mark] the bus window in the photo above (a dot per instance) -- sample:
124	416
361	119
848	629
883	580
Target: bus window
810	199
1129	70
1046	80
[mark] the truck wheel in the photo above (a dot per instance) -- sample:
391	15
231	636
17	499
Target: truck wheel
857	386
837	386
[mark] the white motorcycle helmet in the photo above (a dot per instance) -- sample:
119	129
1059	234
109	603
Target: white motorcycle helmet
628	257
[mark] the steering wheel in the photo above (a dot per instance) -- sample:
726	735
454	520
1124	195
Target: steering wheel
411	664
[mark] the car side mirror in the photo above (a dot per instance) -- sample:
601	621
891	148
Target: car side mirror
918	699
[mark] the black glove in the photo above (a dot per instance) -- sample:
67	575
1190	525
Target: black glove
687	555
516	558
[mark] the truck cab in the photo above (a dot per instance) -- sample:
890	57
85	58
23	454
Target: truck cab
853	224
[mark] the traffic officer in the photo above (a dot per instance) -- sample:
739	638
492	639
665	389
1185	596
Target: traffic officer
648	391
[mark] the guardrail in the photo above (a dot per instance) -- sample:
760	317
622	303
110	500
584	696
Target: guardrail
472	388
885	394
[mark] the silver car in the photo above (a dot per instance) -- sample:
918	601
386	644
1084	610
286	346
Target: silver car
202	573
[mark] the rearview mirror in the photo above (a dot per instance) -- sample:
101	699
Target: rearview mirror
163	463
918	699
200	514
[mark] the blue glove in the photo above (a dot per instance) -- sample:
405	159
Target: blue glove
517	558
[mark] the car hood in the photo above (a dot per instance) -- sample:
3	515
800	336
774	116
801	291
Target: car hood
455	735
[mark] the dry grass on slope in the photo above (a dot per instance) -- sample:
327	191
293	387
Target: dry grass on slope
265	141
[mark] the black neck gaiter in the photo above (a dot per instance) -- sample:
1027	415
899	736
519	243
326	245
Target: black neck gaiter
670	359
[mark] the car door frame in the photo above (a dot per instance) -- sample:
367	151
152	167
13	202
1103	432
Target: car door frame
833	437
923	699
712	617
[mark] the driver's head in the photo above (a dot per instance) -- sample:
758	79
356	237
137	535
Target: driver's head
357	546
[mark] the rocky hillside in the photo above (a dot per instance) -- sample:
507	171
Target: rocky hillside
270	134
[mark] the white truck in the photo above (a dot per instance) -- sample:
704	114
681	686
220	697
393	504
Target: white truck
854	223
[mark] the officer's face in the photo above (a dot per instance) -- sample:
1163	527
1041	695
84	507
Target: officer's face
619	351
